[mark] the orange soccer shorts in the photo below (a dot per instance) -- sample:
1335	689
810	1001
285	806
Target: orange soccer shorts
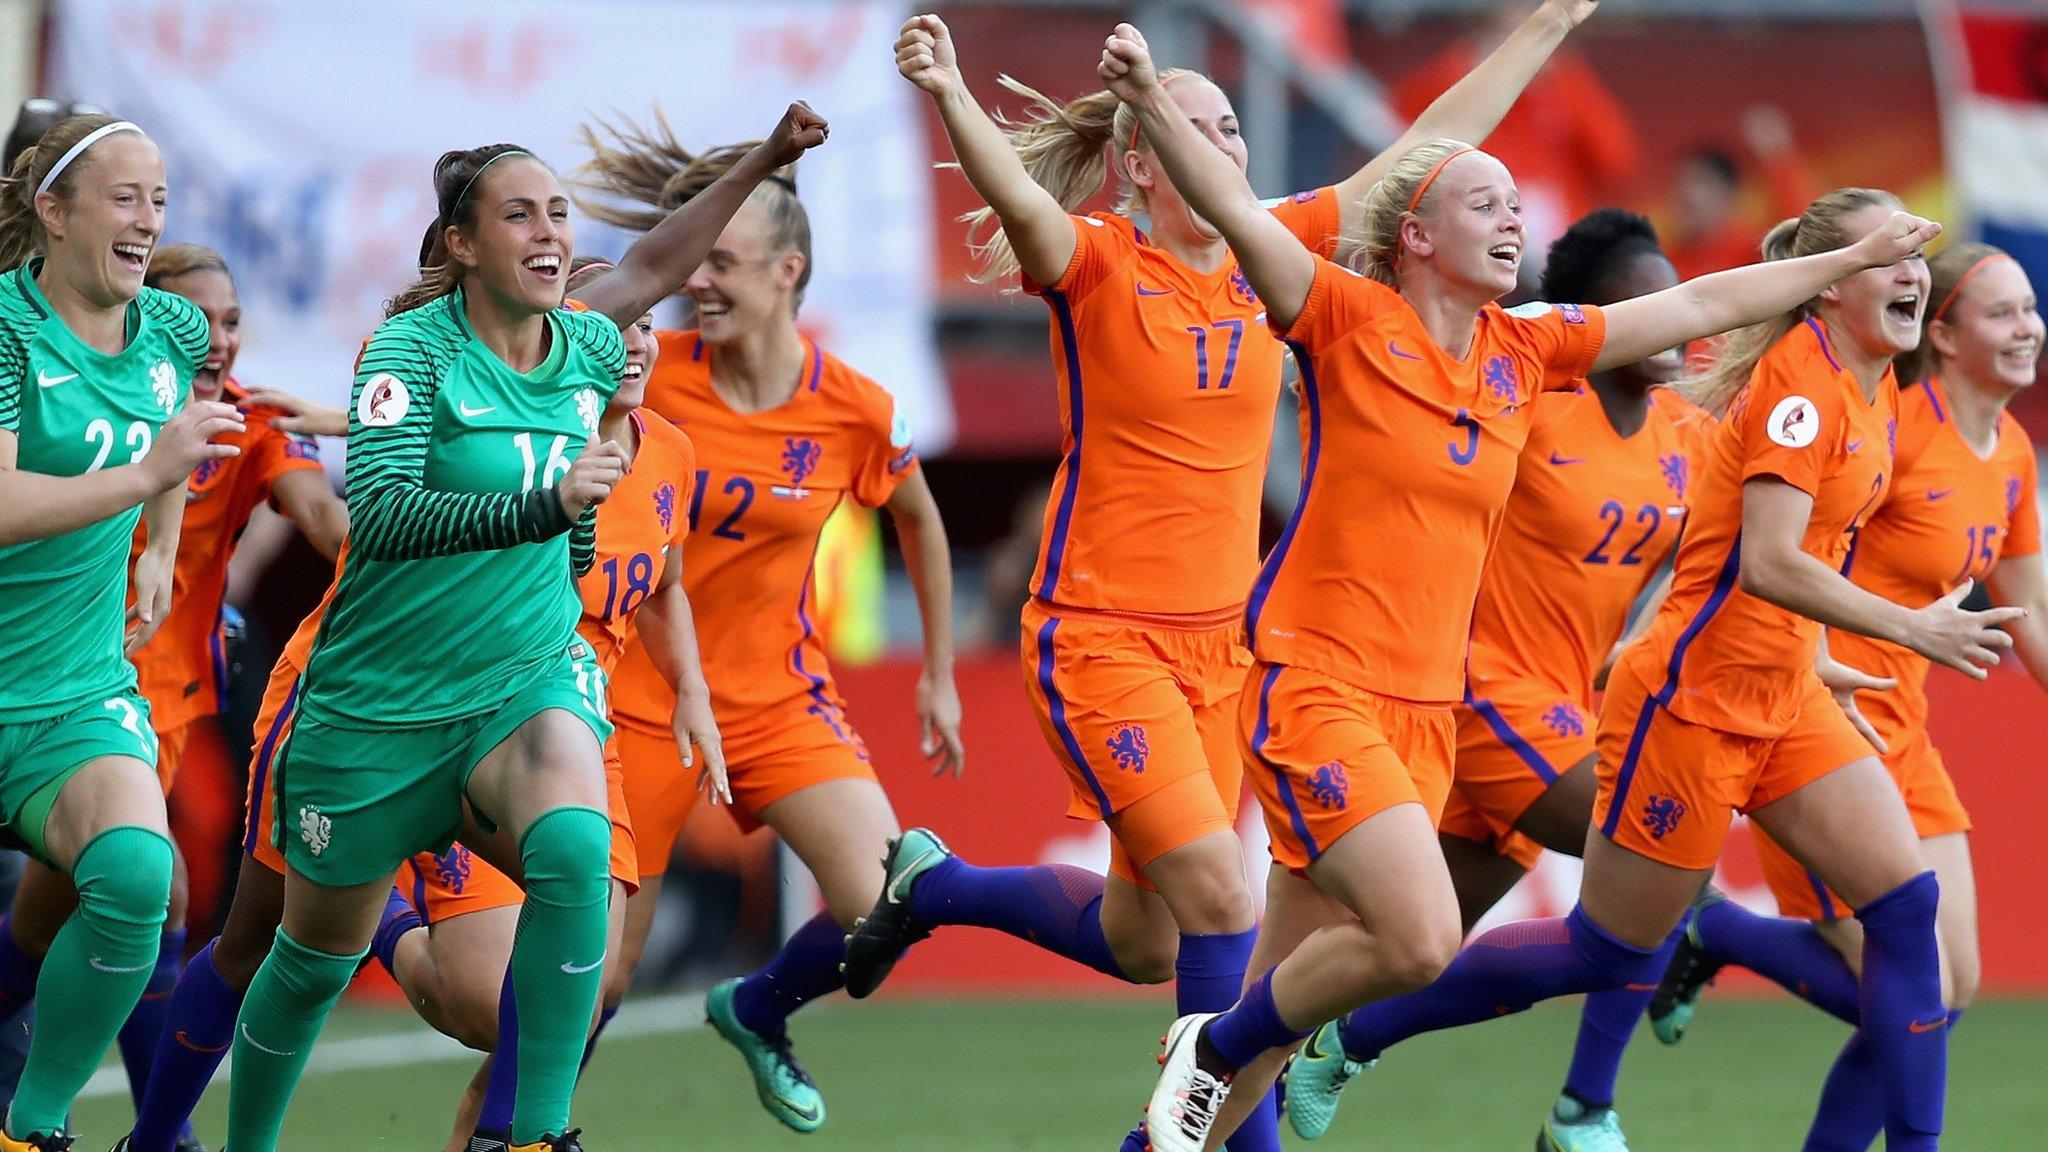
1467	820
273	725
1669	788
1930	794
1141	712
1325	756
1513	744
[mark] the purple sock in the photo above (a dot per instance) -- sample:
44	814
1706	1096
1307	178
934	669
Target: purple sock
1605	1025
1055	906
18	969
1789	953
1502	972
399	918
145	1024
501	1090
1903	1015
198	1029
1208	974
604	1020
1851	1113
1250	1029
806	968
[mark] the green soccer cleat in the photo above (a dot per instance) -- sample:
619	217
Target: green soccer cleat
1573	1127
1316	1077
781	1084
881	937
1688	974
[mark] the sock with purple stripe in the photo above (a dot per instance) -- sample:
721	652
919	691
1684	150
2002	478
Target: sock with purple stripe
1208	974
18	969
399	918
1606	1023
1903	1016
806	968
1503	971
1789	953
144	1027
198	1028
1055	906
1250	1029
501	1089
604	1020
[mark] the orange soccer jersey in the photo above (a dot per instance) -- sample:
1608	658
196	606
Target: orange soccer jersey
176	668
1168	379
765	484
645	517
1409	455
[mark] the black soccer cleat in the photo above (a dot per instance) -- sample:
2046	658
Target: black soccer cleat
880	938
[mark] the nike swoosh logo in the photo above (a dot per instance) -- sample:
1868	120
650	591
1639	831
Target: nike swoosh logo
1310	1050
1940	493
1560	461
896	896
258	1044
1921	1028
189	1044
1144	291
575	970
103	966
1641	987
810	1113
45	380
1395	350
1852	445
468	411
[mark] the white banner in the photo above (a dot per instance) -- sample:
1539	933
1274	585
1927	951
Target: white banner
301	139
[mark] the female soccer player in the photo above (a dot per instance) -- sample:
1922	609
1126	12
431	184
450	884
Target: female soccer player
1409	374
784	432
1961	508
1598	500
448	929
94	369
472	403
1132	646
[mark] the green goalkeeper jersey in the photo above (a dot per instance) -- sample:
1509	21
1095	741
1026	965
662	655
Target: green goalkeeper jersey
459	581
74	409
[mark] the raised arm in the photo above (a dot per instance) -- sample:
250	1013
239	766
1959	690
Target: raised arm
1040	231
1775	568
1281	271
1473	107
1724	301
657	264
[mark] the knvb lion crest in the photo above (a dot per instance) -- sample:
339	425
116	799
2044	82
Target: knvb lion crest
1661	814
589	408
1128	748
665	504
800	455
163	382
1330	787
1565	720
315	829
452	868
1499	374
1675	472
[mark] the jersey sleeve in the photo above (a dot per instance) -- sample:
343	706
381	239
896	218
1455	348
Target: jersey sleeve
13	374
2023	530
1564	338
686	489
887	455
273	454
1099	247
392	513
1789	432
583	543
1315	218
1339	301
186	326
601	340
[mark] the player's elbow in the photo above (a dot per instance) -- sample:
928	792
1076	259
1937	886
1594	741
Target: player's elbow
1765	571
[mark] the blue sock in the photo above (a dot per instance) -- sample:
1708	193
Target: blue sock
1502	972
1208	973
18	969
198	1029
806	968
1903	1016
501	1090
1606	1023
145	1024
1789	953
1055	906
604	1020
399	918
1250	1029
1851	1113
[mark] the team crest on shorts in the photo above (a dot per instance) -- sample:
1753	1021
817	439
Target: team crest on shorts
452	868
1127	746
315	828
1565	720
1661	814
1329	786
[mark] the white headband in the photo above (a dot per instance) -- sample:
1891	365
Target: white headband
78	149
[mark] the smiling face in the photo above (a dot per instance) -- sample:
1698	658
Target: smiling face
747	282
1992	331
104	216
214	291
516	242
1209	110
1877	310
1468	227
641	351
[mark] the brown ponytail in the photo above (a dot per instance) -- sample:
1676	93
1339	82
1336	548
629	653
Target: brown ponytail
21	230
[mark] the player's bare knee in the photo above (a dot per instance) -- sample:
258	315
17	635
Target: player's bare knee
1960	979
1413	956
1214	902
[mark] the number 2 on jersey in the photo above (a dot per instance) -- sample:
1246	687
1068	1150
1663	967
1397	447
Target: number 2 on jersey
1615	515
728	528
101	432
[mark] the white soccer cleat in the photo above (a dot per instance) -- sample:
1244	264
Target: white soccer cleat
1185	1101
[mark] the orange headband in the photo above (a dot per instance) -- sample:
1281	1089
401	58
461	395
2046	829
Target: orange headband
1431	178
1967	277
